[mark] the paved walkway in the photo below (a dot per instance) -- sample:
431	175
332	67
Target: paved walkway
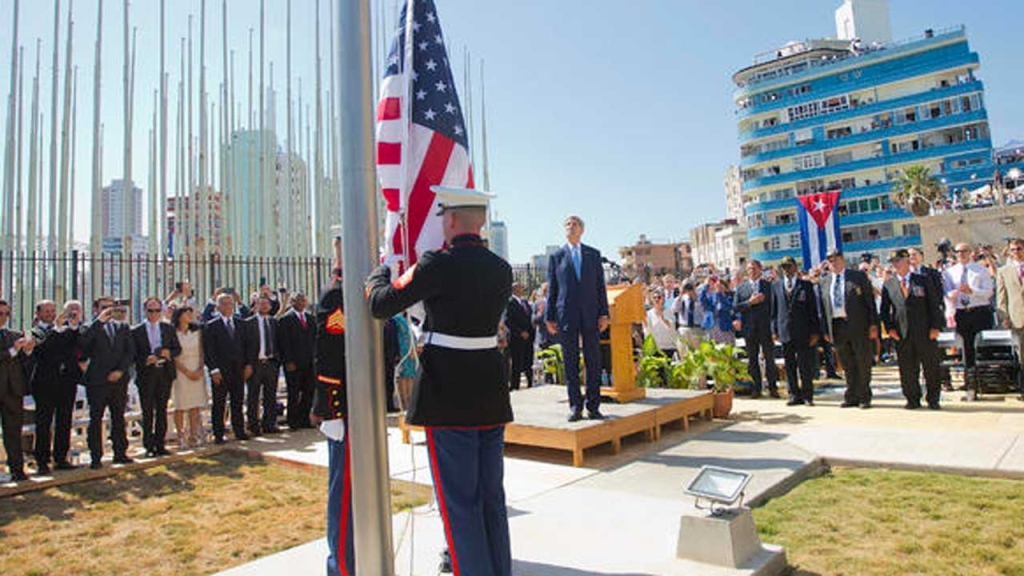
619	515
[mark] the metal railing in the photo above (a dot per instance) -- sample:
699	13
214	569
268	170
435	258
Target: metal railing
27	277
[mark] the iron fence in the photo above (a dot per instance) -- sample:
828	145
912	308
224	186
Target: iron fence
27	277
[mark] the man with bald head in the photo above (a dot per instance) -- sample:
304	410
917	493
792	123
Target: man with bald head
969	287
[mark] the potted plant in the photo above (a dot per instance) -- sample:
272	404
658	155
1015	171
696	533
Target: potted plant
552	362
653	365
916	190
719	363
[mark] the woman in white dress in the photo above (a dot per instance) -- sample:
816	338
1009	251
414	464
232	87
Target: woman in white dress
189	390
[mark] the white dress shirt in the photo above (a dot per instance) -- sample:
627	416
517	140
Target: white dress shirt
153	332
976	277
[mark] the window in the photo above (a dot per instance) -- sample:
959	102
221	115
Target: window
838	132
808	161
776	243
804	136
794	240
911	229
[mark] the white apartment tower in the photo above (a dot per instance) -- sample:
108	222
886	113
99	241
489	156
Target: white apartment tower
867	20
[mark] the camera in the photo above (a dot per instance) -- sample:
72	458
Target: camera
122	302
944	246
867	257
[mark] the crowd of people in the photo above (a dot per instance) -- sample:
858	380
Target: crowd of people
170	355
840	317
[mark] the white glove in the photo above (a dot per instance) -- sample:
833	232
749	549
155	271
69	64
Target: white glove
333	429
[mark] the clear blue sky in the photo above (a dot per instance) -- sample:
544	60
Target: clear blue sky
620	112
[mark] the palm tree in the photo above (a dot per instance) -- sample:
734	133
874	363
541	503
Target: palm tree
916	189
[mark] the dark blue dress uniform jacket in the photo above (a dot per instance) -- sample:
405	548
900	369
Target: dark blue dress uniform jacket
464	289
329	400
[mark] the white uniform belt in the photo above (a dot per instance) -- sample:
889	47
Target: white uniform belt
460	342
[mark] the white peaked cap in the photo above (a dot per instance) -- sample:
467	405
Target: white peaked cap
448	197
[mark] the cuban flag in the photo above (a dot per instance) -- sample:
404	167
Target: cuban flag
819	226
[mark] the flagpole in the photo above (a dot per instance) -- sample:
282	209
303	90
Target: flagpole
54	93
371	497
318	192
19	140
10	146
62	205
33	160
96	226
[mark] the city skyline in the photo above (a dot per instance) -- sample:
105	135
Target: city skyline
643	120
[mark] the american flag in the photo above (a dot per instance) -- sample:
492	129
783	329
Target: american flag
419	145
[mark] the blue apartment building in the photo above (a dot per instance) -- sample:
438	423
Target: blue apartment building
850	114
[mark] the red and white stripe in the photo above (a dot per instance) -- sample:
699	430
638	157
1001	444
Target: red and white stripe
410	159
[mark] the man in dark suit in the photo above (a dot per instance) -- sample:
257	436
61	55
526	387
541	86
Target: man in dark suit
261	345
15	349
911	313
918	266
753	305
852	322
55	379
519	321
107	344
224	351
577	309
297	329
156	346
796	324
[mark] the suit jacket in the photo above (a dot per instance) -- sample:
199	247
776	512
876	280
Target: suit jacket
915	314
859	302
55	358
756	318
576	303
795	315
1010	294
222	352
106	355
295	343
935	277
13	369
168	340
252	338
519	318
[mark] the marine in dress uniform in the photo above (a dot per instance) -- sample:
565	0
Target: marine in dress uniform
330	408
461	399
911	312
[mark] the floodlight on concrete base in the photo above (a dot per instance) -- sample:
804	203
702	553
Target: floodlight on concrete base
720	487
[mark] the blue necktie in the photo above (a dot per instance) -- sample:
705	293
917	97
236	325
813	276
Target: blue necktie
576	260
837	292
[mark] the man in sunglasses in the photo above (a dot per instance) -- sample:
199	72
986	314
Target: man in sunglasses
969	287
156	346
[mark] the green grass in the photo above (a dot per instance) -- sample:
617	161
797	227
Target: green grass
856	522
197	516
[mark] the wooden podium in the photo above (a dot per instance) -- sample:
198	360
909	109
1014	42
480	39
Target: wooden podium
625	307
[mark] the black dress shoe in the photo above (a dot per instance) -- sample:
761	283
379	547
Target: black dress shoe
809	401
162	452
774	394
274	430
594	415
150	453
64	465
794	402
123	460
241	436
865	405
96	465
912	405
934	406
42	470
755	394
849	405
218	440
575	416
18	476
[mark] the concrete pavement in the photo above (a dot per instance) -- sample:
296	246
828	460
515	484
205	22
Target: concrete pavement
619	514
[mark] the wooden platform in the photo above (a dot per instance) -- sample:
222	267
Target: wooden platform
541	414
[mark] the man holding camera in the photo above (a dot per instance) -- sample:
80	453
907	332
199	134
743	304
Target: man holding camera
107	344
156	346
55	381
969	286
15	349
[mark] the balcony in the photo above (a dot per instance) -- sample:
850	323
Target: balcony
891	50
866	110
892	131
869	163
877	246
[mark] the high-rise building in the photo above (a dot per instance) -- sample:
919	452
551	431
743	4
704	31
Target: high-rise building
498	238
733	194
723	244
122	210
183	223
294	214
850	115
252	195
